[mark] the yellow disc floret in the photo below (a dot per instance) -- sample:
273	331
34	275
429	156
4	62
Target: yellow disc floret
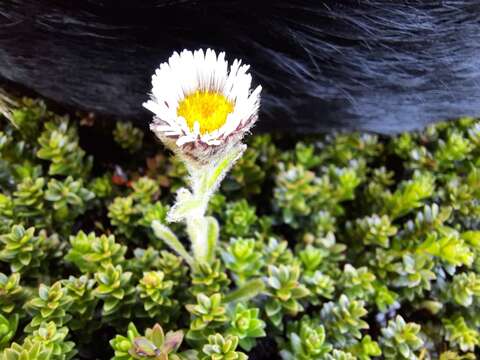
208	108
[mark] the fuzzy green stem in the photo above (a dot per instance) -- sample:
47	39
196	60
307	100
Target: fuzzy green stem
191	205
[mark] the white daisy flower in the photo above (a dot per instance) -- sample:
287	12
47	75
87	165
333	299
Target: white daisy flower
202	107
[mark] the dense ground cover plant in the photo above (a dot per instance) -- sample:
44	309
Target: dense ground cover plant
367	247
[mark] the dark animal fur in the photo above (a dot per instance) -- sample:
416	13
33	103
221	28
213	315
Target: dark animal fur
375	65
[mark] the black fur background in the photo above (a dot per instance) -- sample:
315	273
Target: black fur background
382	66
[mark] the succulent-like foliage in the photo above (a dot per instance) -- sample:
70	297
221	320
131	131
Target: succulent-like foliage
464	288
374	230
336	246
305	340
277	252
122	344
410	195
8	328
51	305
21	248
208	313
321	286
285	291
6	213
91	253
59	144
154	345
312	258
122	215
294	192
144	190
137	210
29	350
458	333
246	325
173	267
366	349
344	320
25	115
400	340
239	219
28	198
449	247
156	294
68	198
101	186
209	278
114	287
83	301
410	272
243	259
325	252
357	283
128	136
151	212
453	355
54	339
384	297
222	348
11	292
340	355
250	171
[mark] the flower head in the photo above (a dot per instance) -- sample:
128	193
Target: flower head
202	107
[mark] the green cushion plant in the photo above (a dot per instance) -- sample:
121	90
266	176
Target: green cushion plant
341	246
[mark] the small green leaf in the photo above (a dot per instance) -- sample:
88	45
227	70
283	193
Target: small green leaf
164	233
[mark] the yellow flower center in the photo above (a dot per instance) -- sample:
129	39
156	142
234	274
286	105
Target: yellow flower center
208	108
